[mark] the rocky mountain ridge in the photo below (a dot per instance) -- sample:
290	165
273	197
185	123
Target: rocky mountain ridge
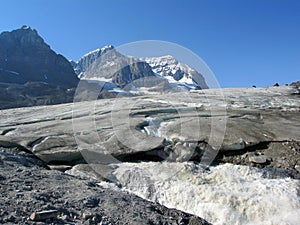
25	57
82	65
94	65
31	73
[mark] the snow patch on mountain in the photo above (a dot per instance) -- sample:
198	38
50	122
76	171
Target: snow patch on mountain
97	52
9	71
92	53
176	72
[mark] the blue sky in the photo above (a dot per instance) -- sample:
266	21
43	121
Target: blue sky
245	43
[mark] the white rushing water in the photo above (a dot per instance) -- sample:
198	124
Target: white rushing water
153	126
227	194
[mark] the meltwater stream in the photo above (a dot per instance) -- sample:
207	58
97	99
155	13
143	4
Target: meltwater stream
152	126
226	194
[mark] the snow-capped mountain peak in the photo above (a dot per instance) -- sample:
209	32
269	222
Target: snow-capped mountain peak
175	71
96	65
106	48
83	63
91	53
97	52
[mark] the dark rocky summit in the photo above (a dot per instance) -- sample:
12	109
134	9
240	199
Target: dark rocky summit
31	73
24	57
32	194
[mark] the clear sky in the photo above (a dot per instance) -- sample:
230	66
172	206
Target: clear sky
244	42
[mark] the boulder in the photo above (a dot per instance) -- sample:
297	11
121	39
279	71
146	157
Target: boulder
261	159
43	215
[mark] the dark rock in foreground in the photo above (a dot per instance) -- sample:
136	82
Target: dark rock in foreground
282	157
52	197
